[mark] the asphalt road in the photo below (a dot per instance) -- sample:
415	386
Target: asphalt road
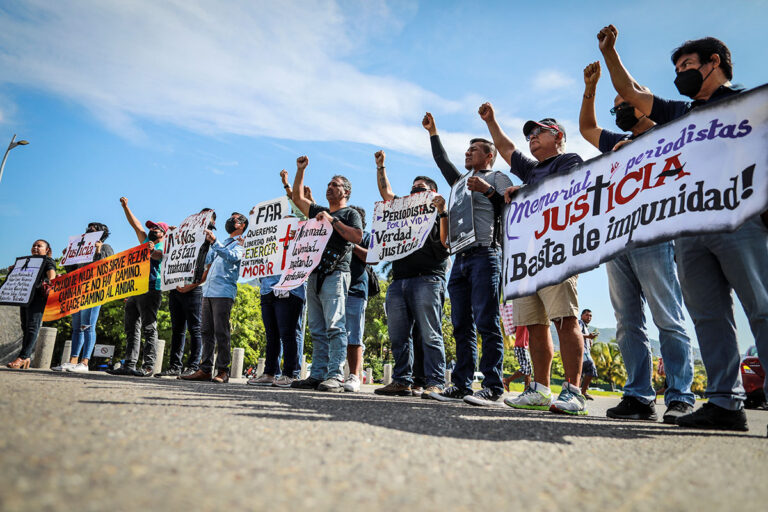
97	442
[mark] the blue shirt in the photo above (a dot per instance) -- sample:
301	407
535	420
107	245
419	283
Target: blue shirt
358	284
224	260
154	268
266	284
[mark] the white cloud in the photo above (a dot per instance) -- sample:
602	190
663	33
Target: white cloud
272	69
551	79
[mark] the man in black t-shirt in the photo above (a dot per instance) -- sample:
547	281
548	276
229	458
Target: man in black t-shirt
639	276
414	302
328	284
710	266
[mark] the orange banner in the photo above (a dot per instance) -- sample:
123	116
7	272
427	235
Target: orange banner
117	277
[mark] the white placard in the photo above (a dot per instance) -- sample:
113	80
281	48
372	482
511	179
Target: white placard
181	251
401	226
81	248
18	288
304	253
267	239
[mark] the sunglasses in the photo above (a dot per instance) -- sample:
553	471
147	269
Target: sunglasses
538	130
621	106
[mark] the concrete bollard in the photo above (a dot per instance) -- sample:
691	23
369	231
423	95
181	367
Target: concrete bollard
238	355
260	366
448	375
369	375
44	348
160	350
303	373
66	353
387	374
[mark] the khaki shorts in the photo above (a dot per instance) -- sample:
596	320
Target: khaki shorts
549	303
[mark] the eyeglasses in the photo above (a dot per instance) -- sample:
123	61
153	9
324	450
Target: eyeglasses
621	106
538	130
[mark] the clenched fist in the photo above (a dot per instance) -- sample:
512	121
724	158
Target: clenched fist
607	38
486	112
592	74
302	162
429	124
380	156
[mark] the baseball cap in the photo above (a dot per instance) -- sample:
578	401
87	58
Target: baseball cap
159	225
547	122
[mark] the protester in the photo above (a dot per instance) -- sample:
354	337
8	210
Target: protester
357	300
141	310
219	292
84	321
185	304
328	284
523	359
475	277
707	264
588	368
558	303
31	315
414	300
640	275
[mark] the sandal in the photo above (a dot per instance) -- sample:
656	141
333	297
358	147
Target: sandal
19	364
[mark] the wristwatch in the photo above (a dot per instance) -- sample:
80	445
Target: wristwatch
491	190
442	215
334	221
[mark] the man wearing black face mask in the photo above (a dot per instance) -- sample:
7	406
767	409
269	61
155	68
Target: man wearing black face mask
141	310
640	275
414	302
708	266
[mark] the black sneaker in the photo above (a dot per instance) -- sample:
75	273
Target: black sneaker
630	408
713	417
145	371
484	397
451	394
675	410
188	371
170	372
308	383
123	371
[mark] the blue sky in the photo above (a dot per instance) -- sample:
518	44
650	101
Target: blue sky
183	105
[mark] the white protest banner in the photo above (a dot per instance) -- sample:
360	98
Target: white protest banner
181	251
401	226
461	226
705	172
21	282
81	248
304	253
267	239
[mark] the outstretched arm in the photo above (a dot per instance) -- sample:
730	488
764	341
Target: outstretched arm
450	173
623	82
439	202
503	143
133	221
286	186
385	189
299	197
587	118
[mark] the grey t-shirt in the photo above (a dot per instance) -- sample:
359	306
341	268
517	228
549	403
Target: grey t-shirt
482	208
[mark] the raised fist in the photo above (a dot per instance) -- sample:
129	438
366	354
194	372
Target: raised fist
486	112
284	175
439	202
592	74
380	156
302	162
429	123
124	201
607	38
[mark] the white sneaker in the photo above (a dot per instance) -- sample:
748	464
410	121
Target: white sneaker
352	384
570	401
62	368
538	399
78	368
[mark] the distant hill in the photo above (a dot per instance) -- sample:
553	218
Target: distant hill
608	334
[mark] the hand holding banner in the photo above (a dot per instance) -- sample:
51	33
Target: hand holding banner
401	226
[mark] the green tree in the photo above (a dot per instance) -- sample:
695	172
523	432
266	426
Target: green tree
609	363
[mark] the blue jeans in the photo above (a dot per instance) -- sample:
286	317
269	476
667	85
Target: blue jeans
186	313
414	307
634	277
300	338
327	323
84	332
711	267
355	320
474	292
280	316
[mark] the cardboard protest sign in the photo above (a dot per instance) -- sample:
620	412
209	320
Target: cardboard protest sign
401	226
304	253
182	251
81	248
117	277
461	224
705	172
267	239
18	288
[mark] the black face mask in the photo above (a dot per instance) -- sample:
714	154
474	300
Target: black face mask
229	226
625	119
416	190
689	82
153	236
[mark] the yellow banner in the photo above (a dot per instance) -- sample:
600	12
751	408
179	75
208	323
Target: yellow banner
117	277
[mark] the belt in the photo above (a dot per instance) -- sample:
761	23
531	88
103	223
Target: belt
474	249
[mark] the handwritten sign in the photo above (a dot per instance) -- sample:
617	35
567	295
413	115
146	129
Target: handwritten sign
401	226
267	239
18	288
181	251
304	253
81	248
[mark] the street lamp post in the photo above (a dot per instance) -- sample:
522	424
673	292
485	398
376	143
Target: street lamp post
12	145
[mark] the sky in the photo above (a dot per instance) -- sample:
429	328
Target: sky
180	105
